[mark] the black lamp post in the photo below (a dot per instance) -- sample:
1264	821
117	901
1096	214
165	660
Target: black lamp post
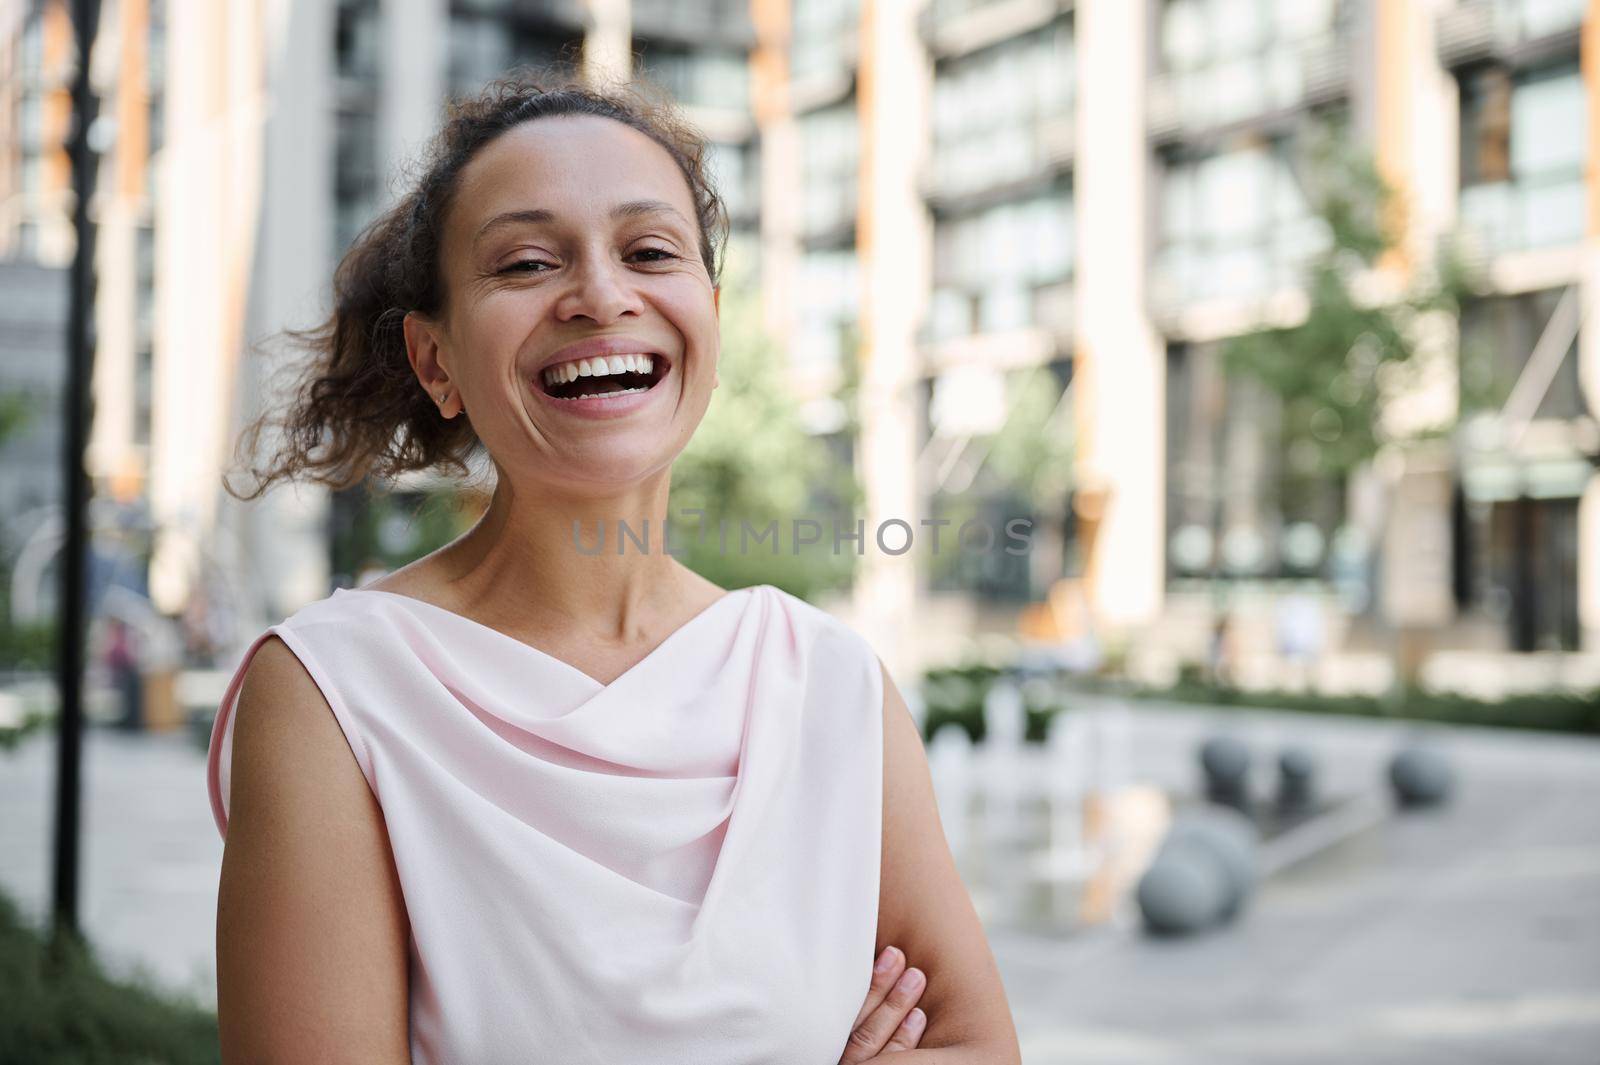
71	610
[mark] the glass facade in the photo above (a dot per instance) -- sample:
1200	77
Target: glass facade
820	28
998	268
1228	60
1002	114
1522	156
1234	225
356	187
827	307
830	160
699	77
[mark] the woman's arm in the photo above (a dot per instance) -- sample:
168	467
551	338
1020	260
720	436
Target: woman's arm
312	934
924	909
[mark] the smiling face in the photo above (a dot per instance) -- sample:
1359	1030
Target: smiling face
580	322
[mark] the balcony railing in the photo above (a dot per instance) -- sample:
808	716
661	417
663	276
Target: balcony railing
1188	102
1511	217
956	27
1475	30
723	22
959	170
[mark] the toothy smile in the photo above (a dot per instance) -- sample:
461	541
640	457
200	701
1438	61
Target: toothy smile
603	375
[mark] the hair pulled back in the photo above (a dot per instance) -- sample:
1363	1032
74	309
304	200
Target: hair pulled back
357	409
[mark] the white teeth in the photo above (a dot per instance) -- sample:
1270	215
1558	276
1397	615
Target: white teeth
599	366
603	395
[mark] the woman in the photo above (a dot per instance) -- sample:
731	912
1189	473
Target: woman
519	802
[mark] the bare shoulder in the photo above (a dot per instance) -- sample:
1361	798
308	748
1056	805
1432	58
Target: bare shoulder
924	907
310	918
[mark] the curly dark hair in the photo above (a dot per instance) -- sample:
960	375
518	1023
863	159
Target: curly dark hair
357	408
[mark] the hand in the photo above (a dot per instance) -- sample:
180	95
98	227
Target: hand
887	1021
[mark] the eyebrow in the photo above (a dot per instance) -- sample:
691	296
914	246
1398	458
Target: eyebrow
542	216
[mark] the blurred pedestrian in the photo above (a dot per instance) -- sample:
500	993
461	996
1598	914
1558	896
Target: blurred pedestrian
122	664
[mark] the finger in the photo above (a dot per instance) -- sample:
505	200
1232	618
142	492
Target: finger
873	1034
909	1034
890	964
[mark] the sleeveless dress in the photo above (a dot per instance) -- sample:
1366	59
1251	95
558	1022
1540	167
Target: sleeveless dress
681	866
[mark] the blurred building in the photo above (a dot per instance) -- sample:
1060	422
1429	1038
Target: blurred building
33	365
1479	114
942	199
1110	189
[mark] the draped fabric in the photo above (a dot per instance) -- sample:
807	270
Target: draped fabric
680	866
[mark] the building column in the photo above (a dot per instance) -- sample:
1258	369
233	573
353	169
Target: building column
206	217
892	236
416	35
608	44
780	165
275	549
112	460
1120	372
1589	339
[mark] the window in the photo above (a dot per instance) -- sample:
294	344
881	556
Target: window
1486	127
990	268
827	305
1234	225
819	27
1230	59
1522	164
830	155
1237	498
1498	334
479	53
702	78
992	110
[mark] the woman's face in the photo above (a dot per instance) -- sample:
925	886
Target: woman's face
565	233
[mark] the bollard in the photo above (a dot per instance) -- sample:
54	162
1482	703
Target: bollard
1421	776
1226	763
1184	891
1297	780
1233	838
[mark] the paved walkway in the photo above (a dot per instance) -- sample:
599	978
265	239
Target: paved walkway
151	857
1465	934
1469	933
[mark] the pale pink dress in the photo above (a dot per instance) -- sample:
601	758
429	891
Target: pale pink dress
679	867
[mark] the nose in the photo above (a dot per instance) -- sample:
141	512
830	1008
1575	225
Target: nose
599	289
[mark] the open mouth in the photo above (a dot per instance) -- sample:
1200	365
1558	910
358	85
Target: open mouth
603	375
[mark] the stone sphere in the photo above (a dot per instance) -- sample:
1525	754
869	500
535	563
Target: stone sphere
1183	892
1297	764
1232	838
1225	759
1421	776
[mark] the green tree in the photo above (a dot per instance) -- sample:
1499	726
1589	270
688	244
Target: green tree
1335	370
753	461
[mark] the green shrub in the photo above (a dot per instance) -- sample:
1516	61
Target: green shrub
954	696
58	1008
1544	711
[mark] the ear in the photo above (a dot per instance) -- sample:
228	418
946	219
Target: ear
426	353
422	350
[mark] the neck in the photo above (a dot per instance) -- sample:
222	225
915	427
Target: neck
536	558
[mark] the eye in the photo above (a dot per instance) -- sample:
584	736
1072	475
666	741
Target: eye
531	266
522	266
